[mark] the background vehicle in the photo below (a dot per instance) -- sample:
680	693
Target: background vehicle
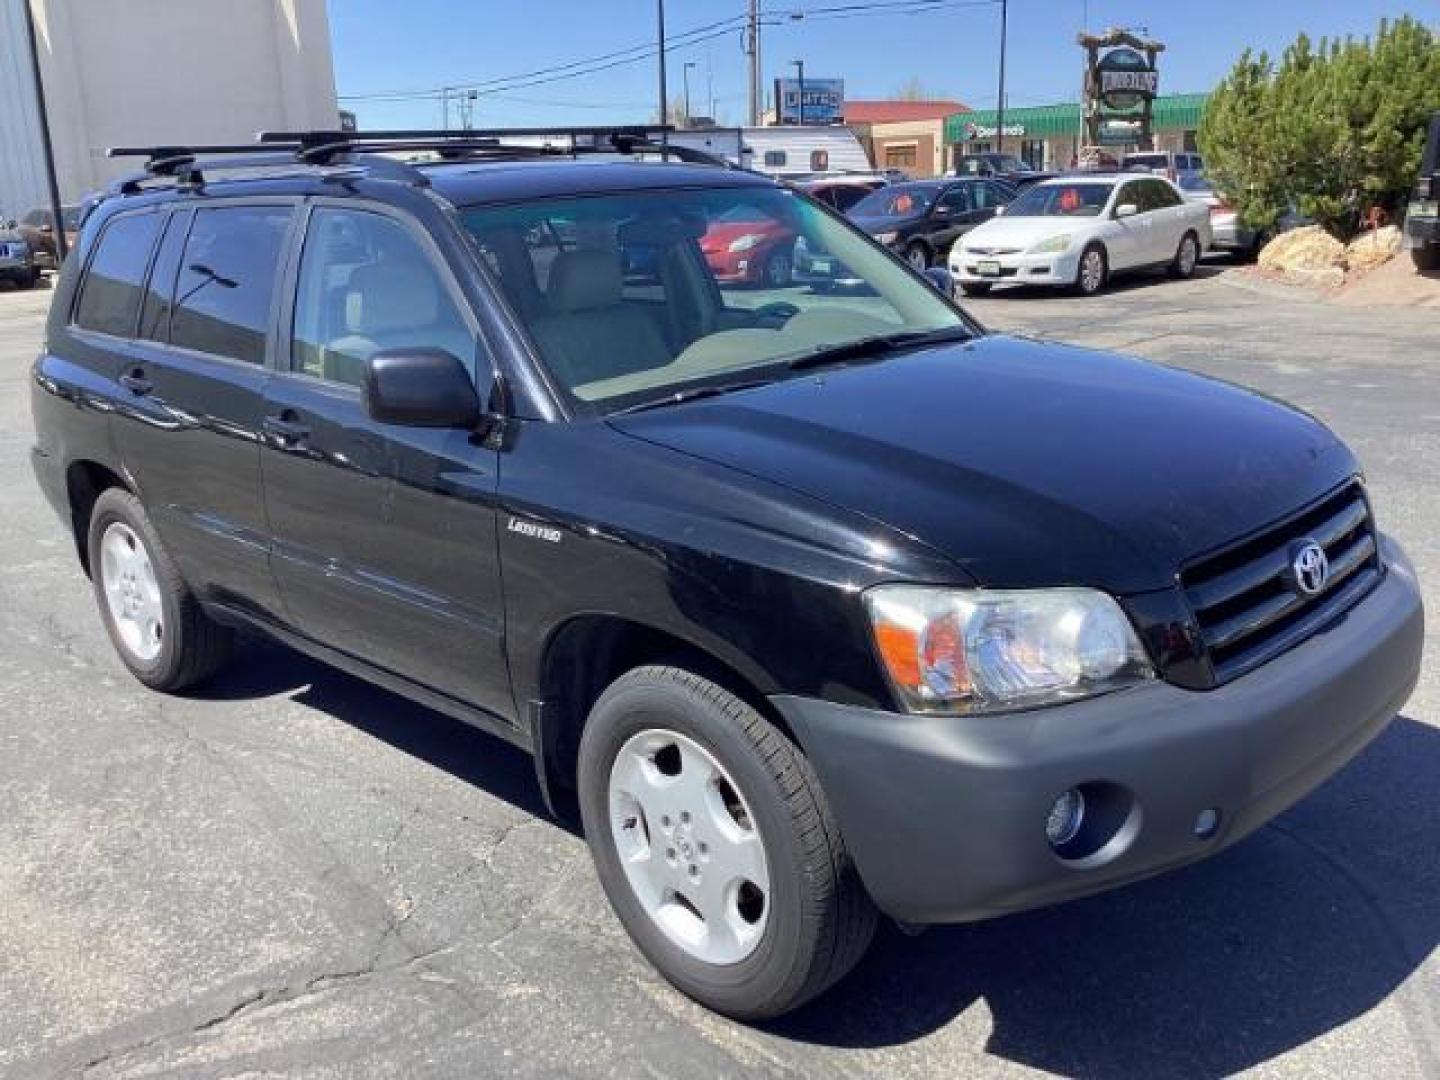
17	261
1422	216
747	246
1173	165
38	229
1013	170
922	219
1228	233
796	658
1078	231
841	192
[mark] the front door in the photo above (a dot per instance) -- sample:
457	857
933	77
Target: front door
384	543
1128	243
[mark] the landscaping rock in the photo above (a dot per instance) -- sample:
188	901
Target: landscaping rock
1298	254
1372	249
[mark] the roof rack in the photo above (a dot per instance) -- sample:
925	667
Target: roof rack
366	150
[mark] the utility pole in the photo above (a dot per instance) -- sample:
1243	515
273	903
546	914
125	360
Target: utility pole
664	91
685	74
1000	103
752	50
800	71
57	219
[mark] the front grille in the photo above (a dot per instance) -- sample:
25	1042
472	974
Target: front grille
1244	599
992	251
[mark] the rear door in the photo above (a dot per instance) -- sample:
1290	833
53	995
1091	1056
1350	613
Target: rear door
1168	216
187	425
384	536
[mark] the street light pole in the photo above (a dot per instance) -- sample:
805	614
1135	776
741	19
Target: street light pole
57	218
800	71
685	74
1000	104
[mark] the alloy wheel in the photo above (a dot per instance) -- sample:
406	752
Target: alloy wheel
132	595
690	847
1092	271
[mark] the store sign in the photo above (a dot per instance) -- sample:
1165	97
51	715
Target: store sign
974	131
1126	79
1120	132
824	101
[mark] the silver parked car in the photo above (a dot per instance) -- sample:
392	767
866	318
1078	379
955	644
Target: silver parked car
1174	165
1229	234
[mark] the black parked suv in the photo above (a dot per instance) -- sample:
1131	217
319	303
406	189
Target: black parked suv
1422	216
816	606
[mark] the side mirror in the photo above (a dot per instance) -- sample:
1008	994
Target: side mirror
941	279
420	388
1128	209
999	210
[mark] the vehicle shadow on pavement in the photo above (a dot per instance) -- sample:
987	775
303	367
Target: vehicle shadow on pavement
1123	283
467	753
1309	923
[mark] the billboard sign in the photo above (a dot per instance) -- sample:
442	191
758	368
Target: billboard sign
1126	79
824	101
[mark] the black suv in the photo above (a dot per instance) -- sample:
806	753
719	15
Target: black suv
1422	216
814	606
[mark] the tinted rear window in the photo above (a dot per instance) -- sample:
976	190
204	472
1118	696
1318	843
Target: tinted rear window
227	281
110	295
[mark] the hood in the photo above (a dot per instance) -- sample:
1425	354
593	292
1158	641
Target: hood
721	235
1026	463
1021	232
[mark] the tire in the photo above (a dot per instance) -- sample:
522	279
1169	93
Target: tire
779	269
186	647
28	282
1427	258
917	255
975	288
813	919
1092	272
1187	257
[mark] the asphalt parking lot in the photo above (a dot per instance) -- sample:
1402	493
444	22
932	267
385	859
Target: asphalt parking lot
297	874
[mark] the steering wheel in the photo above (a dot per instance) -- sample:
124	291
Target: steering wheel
781	310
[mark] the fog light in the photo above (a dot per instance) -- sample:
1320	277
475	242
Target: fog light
1065	818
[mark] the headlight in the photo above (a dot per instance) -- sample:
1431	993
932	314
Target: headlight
885	237
746	242
1052	244
982	650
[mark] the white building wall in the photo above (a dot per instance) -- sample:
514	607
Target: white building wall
160	72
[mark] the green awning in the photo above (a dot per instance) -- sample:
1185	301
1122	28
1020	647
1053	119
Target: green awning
1048	121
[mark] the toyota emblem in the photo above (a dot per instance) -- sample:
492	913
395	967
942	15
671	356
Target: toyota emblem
1310	568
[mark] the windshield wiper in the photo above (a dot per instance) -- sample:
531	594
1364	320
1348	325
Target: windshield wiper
693	394
877	345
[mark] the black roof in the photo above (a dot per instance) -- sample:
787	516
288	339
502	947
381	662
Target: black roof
465	183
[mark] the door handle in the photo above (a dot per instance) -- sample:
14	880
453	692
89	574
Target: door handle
285	430
136	381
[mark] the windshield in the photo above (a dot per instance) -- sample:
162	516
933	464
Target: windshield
899	200
638	296
1145	161
1061	200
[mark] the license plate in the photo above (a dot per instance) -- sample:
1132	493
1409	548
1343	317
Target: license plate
822	266
988	268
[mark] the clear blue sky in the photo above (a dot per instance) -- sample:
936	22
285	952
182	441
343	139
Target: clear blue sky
413	45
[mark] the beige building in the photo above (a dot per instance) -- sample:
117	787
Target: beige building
907	135
154	72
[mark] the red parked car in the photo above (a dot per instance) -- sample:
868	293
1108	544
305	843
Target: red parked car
744	246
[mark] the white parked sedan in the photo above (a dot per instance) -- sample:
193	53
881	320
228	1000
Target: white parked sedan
1079	230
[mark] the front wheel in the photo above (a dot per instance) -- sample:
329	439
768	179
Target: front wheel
1187	256
1091	273
716	846
1427	258
779	269
154	621
918	256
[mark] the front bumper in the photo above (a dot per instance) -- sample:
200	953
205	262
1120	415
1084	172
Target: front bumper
737	268
945	816
1017	269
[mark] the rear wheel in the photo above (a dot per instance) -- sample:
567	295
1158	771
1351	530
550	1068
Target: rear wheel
1187	257
154	621
29	281
716	846
1427	258
1090	275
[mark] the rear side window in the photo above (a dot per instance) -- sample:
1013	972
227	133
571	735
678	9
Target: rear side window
160	293
110	295
227	281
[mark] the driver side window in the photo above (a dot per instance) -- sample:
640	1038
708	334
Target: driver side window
365	285
956	200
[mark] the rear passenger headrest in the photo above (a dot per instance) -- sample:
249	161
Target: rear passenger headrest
581	280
